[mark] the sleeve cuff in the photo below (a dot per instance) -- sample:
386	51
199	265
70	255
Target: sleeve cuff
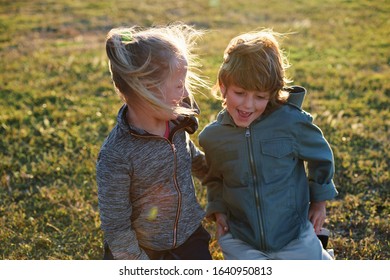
322	192
215	207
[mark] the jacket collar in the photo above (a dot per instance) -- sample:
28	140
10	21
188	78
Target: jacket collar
296	96
224	118
189	123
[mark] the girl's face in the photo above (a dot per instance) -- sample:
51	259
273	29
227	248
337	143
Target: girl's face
175	87
244	106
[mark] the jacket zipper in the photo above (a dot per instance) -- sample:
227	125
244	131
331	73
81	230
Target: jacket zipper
179	197
256	191
176	185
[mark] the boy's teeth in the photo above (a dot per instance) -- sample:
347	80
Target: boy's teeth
244	114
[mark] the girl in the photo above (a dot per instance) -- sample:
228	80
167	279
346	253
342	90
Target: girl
146	196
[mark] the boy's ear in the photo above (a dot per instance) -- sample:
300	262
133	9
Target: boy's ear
222	88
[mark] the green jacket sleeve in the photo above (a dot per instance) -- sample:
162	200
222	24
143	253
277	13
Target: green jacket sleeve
199	166
316	151
215	202
213	181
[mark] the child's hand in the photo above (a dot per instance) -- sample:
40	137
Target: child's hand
317	215
222	225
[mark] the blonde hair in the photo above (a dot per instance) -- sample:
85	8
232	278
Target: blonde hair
141	60
254	61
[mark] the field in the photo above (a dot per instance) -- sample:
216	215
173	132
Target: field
57	105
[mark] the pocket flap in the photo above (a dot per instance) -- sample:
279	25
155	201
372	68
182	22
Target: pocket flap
277	147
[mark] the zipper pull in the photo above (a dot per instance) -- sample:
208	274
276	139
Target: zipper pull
173	147
247	132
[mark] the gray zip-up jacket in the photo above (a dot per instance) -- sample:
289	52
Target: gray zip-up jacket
145	189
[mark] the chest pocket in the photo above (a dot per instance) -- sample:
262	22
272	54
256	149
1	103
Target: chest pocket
278	159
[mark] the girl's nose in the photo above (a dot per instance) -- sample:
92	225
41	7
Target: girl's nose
185	93
183	96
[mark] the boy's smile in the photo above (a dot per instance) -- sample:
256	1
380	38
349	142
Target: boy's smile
243	105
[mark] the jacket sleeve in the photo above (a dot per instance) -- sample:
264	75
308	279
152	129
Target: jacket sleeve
316	151
113	180
214	182
215	202
199	166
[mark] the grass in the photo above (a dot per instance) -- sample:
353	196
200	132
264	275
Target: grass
57	105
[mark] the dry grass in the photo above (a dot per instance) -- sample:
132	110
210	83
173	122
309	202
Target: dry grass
57	105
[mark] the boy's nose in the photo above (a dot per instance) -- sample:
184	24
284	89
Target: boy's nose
248	102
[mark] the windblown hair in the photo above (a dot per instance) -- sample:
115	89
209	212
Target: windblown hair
254	61
141	60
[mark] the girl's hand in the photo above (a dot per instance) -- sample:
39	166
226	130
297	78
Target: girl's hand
317	214
222	225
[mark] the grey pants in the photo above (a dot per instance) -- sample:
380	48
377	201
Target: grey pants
306	247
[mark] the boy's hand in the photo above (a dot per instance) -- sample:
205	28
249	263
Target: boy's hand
222	225
317	214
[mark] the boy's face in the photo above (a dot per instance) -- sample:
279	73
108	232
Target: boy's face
244	106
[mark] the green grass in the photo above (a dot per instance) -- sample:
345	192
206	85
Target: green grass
57	105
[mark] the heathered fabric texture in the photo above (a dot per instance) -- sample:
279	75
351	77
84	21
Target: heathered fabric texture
145	189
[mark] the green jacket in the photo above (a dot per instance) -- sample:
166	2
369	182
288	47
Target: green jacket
257	174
